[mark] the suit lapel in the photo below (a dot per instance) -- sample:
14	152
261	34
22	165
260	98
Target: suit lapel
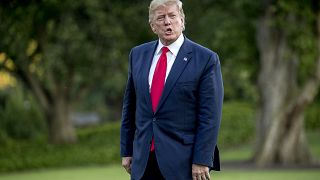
148	56
182	59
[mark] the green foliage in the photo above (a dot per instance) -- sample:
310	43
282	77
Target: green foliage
72	49
20	117
313	140
4	139
297	21
228	27
93	34
97	145
82	47
312	117
237	125
100	145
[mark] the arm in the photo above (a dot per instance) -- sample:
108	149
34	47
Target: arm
209	116
128	117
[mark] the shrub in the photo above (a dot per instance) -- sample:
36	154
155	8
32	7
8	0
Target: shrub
100	144
3	138
96	145
237	125
20	118
312	117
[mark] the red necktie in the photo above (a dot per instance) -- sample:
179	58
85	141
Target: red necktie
158	80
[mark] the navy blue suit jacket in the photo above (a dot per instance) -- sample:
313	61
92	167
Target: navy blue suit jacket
186	123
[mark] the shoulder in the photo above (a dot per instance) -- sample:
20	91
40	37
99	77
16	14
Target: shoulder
144	46
202	51
140	53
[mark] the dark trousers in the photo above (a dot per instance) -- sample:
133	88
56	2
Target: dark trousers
152	171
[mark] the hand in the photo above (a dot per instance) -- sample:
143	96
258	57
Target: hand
126	163
200	172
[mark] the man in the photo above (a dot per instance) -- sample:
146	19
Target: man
172	103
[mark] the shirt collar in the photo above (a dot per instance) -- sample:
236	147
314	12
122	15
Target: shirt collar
173	47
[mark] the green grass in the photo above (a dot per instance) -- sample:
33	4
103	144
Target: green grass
85	173
267	175
115	172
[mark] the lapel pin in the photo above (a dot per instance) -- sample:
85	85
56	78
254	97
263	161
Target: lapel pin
185	58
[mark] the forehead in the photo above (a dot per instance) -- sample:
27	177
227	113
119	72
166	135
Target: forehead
166	9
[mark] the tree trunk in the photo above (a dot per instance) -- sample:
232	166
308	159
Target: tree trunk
60	127
55	105
280	135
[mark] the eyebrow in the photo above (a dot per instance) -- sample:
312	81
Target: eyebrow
163	14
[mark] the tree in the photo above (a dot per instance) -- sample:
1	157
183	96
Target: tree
227	27
288	39
288	77
61	51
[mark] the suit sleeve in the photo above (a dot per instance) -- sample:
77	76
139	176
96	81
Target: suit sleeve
209	116
128	115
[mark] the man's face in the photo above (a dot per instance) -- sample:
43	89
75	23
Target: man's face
167	23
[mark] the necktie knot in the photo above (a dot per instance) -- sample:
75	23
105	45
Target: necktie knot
164	49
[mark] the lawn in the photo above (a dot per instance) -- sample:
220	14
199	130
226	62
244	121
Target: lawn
115	172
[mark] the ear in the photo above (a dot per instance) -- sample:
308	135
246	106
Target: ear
153	28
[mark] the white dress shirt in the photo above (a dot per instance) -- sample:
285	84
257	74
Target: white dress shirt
171	56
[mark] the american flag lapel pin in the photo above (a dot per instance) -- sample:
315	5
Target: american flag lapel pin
185	59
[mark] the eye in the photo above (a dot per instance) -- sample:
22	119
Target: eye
172	16
160	18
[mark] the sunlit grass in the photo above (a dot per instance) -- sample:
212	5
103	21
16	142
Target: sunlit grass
115	172
83	173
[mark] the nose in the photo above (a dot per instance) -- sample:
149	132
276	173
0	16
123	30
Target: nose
167	20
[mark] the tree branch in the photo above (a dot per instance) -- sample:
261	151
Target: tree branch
41	94
35	87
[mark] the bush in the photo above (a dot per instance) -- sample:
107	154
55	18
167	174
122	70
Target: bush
237	125
238	122
101	144
20	118
3	138
312	117
96	145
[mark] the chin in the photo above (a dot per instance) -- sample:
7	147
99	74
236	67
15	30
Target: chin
171	38
168	41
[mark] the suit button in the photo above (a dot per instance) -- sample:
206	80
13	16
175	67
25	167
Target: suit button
154	119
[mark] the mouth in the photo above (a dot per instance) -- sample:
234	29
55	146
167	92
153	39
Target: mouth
168	31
